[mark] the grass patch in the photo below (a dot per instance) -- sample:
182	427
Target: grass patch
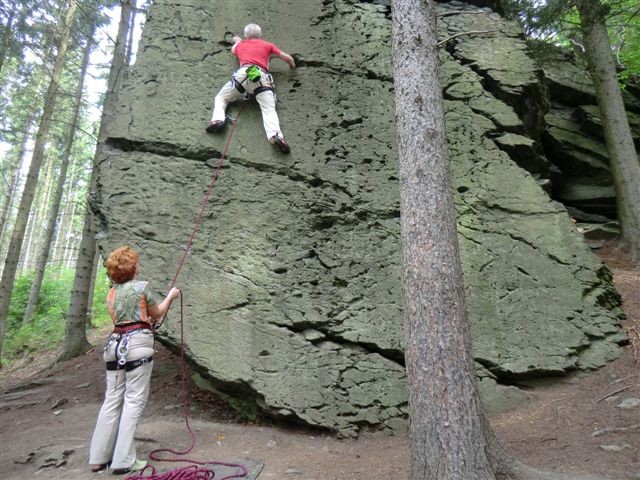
46	332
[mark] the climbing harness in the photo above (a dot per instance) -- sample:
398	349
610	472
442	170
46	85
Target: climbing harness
131	327
253	74
122	348
128	366
198	469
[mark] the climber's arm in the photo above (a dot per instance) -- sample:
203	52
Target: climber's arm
287	58
236	40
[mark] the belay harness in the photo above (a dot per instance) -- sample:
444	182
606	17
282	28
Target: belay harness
253	74
121	334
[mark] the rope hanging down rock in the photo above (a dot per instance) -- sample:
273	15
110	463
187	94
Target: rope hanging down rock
197	470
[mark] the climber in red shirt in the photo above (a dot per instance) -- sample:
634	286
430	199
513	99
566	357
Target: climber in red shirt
253	78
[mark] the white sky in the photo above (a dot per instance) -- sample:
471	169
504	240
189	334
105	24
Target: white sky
102	56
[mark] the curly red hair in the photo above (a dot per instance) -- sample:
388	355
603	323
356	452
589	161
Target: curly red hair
121	264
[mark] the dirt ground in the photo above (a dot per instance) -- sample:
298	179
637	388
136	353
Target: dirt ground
575	424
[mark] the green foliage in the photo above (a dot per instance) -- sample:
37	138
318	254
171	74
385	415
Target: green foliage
47	329
623	24
557	22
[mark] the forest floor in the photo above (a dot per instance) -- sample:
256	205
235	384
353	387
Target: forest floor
574	424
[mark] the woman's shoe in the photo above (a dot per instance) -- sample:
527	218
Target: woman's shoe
98	468
137	465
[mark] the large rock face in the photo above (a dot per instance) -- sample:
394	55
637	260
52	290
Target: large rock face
292	290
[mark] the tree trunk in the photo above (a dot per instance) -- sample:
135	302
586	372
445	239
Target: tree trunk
623	158
6	36
10	195
64	221
15	245
14	176
78	307
66	227
446	417
33	237
49	229
450	436
132	10
92	288
68	238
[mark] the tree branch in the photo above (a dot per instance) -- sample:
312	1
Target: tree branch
622	389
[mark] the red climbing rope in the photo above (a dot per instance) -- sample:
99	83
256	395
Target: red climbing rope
212	184
195	471
205	199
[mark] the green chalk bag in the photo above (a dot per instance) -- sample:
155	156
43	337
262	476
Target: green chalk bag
254	74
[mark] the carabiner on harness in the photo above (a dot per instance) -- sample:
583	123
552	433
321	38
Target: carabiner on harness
122	349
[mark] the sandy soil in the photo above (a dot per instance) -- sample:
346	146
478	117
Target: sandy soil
573	425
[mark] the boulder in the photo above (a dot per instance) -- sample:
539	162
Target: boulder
293	300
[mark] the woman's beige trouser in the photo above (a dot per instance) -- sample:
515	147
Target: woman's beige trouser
124	401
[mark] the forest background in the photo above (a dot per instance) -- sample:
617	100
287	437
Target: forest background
32	40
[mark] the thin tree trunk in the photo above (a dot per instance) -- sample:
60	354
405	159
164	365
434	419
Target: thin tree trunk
13	174
69	246
12	195
77	313
623	158
92	289
63	222
14	177
6	36
27	241
68	213
33	238
43	256
131	5
15	246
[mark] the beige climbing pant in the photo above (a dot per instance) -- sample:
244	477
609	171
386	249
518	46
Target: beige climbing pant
125	398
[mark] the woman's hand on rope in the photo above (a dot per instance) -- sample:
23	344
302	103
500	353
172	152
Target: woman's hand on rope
158	311
173	293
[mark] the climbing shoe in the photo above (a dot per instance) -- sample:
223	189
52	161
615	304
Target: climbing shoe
215	126
98	467
137	466
280	143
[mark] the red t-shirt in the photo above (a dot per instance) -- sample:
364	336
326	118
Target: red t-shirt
255	51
